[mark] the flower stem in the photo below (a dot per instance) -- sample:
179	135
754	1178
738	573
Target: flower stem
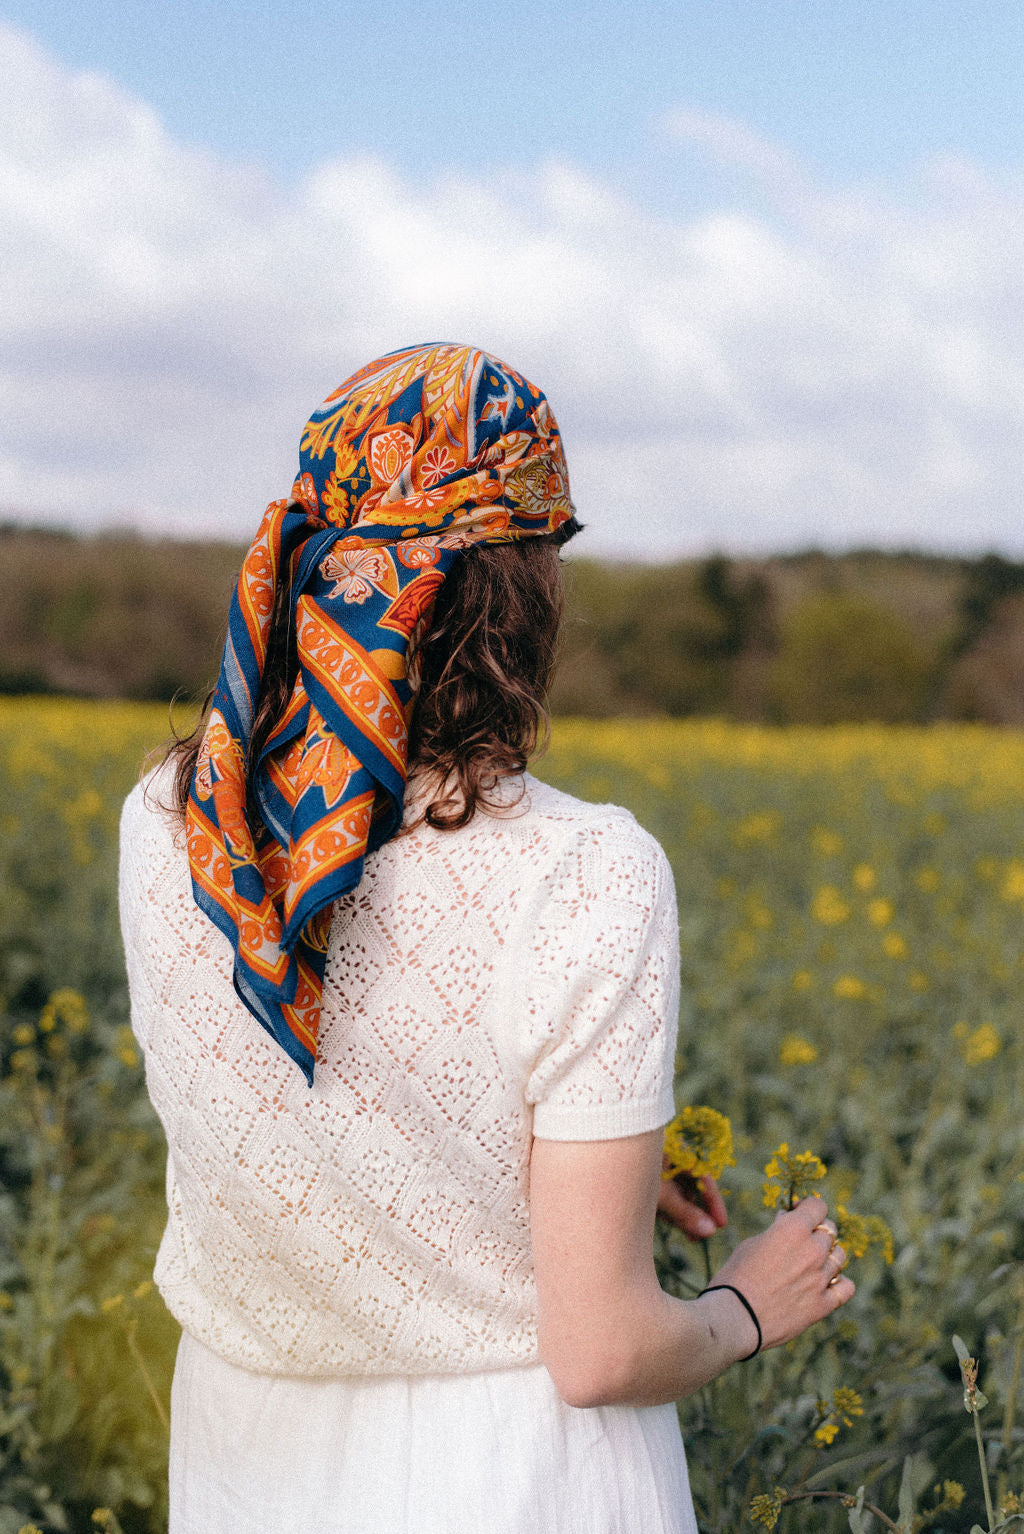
136	1353
989	1510
847	1501
1009	1411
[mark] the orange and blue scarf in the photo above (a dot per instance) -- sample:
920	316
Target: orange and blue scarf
417	457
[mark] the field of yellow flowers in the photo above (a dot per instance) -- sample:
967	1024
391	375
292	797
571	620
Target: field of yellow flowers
851	910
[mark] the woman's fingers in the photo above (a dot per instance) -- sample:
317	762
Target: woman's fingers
810	1211
793	1272
714	1203
698	1211
835	1262
683	1212
839	1291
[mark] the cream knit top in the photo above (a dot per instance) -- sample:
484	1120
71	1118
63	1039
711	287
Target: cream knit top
514	978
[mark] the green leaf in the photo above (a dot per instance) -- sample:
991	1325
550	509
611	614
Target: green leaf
980	1400
856	1514
840	1470
906	1498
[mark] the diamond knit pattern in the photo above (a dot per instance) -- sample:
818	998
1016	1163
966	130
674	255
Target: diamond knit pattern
513	978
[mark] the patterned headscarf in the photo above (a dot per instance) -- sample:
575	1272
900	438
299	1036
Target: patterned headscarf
414	459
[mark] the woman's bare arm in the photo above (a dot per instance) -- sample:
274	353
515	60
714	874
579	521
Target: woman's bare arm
608	1332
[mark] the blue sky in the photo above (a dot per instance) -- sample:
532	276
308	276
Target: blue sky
765	256
857	88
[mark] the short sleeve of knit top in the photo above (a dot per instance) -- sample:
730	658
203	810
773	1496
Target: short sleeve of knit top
515	978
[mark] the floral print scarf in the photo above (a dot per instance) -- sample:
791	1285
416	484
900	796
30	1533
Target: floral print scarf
414	459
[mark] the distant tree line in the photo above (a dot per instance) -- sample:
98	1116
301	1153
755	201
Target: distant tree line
803	638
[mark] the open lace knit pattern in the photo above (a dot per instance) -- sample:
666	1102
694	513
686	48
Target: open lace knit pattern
518	976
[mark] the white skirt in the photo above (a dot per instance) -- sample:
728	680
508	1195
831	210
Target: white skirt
430	1454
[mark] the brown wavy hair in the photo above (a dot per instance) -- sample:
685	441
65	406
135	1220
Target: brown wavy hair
485	664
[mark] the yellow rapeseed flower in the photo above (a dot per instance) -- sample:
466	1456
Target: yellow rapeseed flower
802	980
124	1047
881	1236
858	1233
894	946
761	826
847	1404
796	1050
765	1509
864	877
760	915
699	1142
981	1045
112	1302
849	988
23	1033
927	880
844	1406
1013	881
66	1006
789	1177
880	912
853	1231
829	907
827	843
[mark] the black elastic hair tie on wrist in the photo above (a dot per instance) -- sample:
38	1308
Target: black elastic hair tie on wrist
747	1307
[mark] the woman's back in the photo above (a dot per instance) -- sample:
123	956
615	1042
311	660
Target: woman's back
513	977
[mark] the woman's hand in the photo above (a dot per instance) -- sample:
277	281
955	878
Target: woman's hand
791	1273
606	1330
697	1209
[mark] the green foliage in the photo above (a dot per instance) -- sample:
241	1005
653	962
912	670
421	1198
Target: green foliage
844	658
86	1350
854	893
112	616
851	909
81	1154
119	616
65	768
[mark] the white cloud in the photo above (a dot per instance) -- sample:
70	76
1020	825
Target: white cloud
847	370
734	145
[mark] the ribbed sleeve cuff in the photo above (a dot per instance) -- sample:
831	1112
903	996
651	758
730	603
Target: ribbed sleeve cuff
612	1121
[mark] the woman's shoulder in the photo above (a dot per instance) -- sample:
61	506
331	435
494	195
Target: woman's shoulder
148	811
556	806
604	834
